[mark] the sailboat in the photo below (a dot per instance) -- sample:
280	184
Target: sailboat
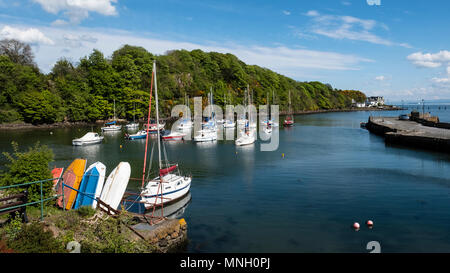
229	123
185	123
289	120
209	128
169	185
247	136
269	122
134	124
112	126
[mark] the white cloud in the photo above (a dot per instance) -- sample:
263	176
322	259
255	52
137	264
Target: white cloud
349	27
380	78
312	13
443	80
297	63
286	12
430	60
29	35
77	10
440	80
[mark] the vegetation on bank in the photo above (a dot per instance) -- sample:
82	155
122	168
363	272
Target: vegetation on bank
85	91
95	232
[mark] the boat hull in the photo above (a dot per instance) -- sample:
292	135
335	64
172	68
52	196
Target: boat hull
115	185
72	178
89	142
112	128
57	174
171	191
91	185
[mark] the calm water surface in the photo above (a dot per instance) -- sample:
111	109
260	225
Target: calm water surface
333	173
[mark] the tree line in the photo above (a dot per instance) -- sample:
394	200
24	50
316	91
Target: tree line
86	90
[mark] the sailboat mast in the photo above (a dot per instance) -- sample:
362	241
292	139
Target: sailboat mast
114	109
148	128
157	117
290	102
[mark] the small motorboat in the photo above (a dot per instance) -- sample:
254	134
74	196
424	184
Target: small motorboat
174	136
288	122
89	138
139	135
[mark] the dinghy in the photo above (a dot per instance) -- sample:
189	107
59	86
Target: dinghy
91	185
56	174
115	185
72	178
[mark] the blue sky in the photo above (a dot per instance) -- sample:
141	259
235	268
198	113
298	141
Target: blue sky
397	49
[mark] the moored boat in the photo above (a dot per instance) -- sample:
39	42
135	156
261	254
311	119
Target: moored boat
168	185
139	135
174	136
111	126
88	138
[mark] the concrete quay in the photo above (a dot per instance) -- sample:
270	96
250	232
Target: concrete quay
410	133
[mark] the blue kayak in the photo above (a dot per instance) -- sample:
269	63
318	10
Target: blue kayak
91	185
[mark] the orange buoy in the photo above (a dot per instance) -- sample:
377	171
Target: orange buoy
356	226
369	223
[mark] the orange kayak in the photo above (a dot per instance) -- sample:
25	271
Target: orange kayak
72	178
56	173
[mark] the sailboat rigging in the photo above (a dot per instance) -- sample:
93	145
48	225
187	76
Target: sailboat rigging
169	185
289	120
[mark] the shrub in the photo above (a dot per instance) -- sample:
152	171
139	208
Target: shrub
27	167
33	238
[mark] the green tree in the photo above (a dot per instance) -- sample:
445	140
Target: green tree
29	166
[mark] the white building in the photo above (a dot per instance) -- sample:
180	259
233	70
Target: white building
375	101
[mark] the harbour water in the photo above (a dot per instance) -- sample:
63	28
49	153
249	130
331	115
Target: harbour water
333	174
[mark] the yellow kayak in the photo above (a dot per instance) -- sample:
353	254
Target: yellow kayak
71	177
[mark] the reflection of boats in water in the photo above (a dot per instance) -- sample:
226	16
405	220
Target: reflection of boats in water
171	210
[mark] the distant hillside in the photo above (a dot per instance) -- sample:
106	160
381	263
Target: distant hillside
85	91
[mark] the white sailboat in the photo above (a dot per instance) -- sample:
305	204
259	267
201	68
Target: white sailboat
185	123
169	185
228	123
289	120
247	136
134	124
112	126
209	128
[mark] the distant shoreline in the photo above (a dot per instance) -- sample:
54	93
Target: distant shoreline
57	125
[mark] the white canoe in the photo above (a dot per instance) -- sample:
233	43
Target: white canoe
116	184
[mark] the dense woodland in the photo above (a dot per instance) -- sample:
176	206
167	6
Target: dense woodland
85	91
